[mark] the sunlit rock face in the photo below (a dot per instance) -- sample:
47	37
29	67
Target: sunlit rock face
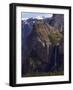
40	41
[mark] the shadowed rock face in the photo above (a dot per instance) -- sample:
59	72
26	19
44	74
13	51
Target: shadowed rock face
57	21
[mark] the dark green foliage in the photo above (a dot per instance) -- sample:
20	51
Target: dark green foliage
55	37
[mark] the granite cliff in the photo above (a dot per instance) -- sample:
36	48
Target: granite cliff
40	40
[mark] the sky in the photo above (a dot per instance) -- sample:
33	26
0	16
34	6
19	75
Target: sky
26	15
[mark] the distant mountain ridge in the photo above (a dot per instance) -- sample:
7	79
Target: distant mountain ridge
57	20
